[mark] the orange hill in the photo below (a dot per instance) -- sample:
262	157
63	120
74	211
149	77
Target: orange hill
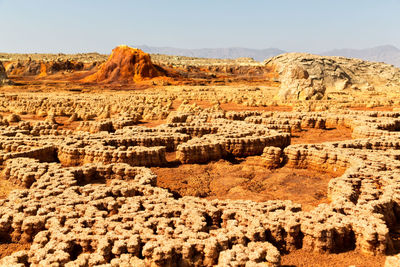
126	65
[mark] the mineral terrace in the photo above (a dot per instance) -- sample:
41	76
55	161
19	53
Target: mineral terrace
139	160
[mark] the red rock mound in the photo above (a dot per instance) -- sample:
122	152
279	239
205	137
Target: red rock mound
126	65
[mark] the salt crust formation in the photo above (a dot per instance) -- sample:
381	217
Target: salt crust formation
86	201
305	76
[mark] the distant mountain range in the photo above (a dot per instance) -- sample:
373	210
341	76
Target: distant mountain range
386	53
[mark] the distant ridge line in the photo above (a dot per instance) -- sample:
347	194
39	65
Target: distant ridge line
222	53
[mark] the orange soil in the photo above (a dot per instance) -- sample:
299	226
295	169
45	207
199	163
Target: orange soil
301	258
151	123
6	187
312	136
7	249
250	180
245	180
64	124
386	108
43	70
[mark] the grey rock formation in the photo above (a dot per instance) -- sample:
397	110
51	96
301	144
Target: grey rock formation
311	77
3	75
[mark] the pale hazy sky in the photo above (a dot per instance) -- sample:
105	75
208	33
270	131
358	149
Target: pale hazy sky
72	26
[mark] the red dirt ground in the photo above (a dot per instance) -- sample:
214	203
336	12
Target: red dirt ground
7	249
312	136
301	258
374	108
151	123
6	187
246	180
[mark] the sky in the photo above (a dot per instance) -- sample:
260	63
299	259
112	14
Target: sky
73	26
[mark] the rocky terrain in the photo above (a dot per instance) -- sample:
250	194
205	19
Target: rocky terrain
3	75
84	57
183	174
306	76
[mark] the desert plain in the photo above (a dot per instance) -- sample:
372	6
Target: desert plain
133	159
